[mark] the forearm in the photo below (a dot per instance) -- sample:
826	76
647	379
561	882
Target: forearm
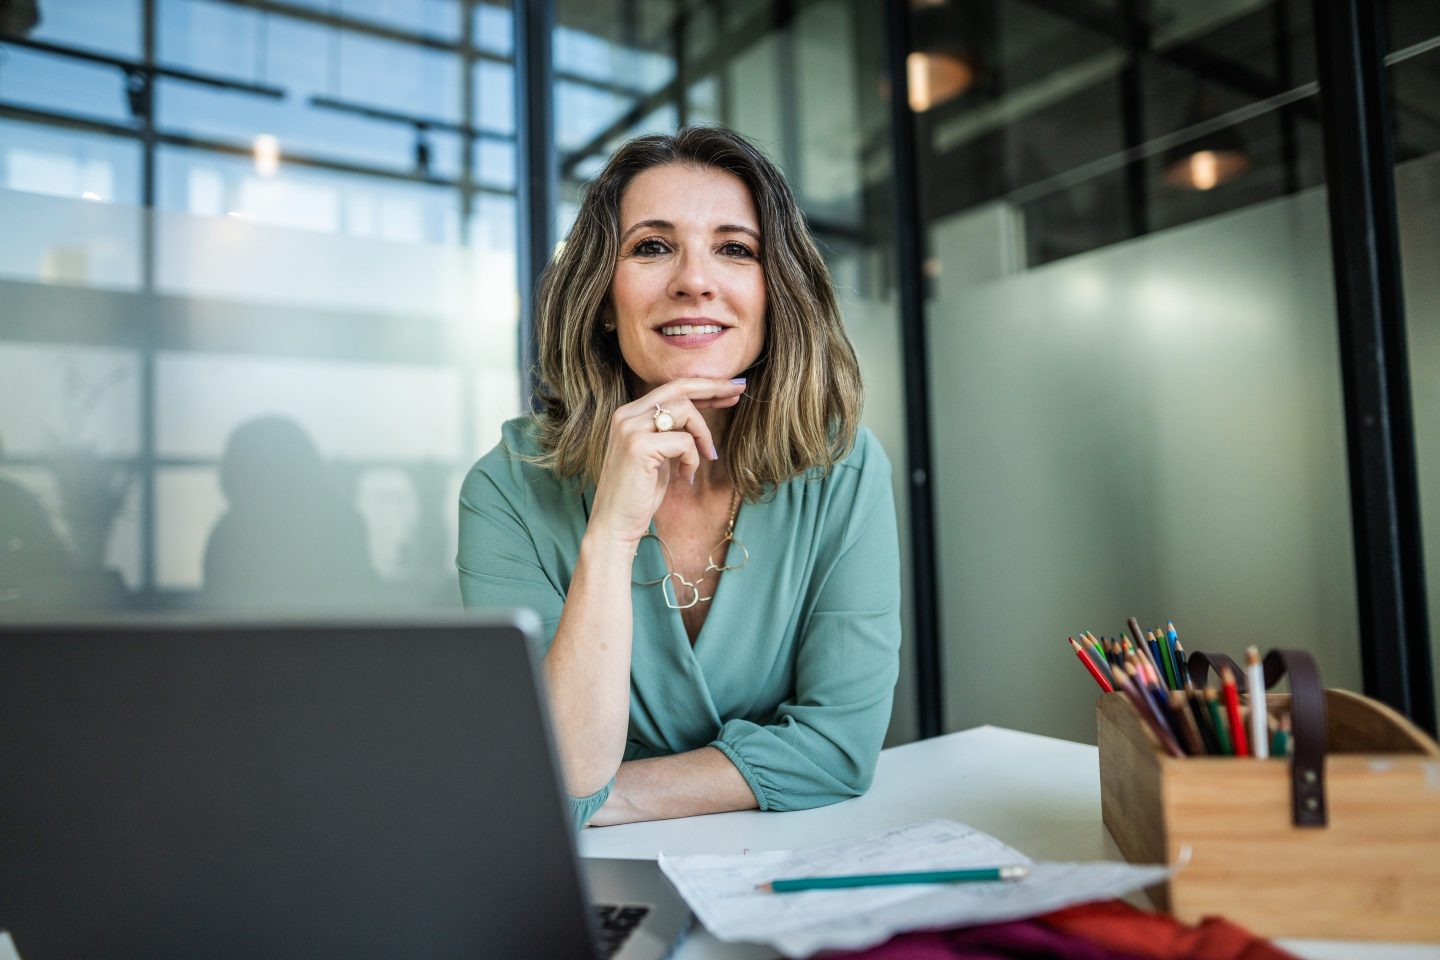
587	668
683	785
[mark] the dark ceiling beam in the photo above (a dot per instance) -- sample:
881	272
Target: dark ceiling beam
141	67
1188	55
409	119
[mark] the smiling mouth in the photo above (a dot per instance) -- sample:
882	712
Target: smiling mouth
681	329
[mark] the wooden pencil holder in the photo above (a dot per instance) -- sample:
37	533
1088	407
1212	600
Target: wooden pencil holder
1368	870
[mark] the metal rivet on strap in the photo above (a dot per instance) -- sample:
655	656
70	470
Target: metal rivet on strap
1311	803
1308	776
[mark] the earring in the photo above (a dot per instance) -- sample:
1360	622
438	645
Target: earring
608	326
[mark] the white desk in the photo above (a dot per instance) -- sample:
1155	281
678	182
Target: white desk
1038	794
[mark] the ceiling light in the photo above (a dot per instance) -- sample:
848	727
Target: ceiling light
1208	160
936	76
1206	169
942	64
267	154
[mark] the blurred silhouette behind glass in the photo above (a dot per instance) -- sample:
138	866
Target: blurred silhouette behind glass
31	551
288	538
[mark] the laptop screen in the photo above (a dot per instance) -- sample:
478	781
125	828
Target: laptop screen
190	789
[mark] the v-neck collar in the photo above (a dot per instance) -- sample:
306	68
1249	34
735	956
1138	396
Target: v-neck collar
653	560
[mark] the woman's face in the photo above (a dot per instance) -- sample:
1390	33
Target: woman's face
688	297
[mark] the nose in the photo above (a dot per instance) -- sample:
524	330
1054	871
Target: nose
693	278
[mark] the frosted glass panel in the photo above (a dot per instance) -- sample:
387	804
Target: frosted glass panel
872	328
1156	430
1417	189
279	418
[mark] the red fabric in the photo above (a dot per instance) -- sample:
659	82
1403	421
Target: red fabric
1156	936
1103	930
1016	940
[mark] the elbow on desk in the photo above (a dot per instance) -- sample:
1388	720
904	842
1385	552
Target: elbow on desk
785	801
796	766
846	781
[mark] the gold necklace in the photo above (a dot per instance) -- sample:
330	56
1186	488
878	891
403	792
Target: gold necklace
674	582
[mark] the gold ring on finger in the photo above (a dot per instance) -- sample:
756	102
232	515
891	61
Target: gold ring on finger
663	420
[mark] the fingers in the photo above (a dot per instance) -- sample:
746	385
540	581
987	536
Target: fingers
633	424
718	403
677	445
684	399
635	435
693	389
661	448
688	420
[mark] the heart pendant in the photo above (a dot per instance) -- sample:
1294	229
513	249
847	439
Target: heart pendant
673	593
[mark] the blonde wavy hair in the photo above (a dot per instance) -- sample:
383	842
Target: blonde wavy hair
802	402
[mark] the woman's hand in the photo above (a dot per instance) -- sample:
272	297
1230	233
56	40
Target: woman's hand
640	461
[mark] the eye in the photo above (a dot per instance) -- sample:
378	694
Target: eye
648	248
735	248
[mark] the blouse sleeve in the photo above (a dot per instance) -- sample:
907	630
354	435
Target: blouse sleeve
500	567
821	747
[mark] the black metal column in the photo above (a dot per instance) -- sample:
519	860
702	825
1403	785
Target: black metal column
1132	115
1384	492
535	216
911	285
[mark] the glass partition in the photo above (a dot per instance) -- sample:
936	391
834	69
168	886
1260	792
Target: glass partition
1135	383
258	300
1413	58
1150	430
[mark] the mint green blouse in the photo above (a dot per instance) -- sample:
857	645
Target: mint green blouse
793	672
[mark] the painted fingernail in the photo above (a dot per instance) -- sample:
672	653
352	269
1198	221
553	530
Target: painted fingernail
714	453
739	380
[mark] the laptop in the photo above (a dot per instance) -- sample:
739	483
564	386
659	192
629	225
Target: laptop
186	788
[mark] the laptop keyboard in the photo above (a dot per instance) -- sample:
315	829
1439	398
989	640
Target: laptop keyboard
617	922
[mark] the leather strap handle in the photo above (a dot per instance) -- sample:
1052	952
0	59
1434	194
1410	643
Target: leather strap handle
1310	729
1200	664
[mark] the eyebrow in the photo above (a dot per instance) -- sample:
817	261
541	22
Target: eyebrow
667	225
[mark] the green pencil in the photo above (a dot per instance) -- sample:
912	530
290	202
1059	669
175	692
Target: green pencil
1217	717
976	875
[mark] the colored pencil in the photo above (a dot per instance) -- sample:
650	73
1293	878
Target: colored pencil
1154	648
1172	643
1184	667
1094	643
1202	721
974	875
1089	665
1232	713
1189	733
1101	661
1280	745
1172	680
1133	626
1146	667
1212	705
1129	684
1255	684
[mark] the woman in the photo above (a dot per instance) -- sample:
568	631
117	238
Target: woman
707	534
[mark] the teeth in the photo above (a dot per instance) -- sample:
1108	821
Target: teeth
685	328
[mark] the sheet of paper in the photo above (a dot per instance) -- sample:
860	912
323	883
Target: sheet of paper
721	889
